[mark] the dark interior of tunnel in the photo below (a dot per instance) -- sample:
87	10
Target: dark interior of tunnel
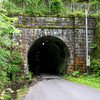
48	54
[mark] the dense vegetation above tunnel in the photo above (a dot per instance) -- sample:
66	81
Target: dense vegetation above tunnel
51	7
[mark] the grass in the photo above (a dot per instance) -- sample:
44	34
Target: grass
90	80
21	92
6	96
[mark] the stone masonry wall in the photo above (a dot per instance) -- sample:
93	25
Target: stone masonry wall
69	30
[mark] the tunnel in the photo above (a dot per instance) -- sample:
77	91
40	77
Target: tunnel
48	54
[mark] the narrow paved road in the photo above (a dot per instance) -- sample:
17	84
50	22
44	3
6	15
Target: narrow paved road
56	88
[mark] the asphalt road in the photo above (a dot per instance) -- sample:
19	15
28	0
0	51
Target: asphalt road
56	88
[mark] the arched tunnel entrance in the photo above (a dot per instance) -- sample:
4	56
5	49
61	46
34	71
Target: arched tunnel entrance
48	54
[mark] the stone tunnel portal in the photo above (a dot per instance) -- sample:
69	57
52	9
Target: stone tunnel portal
48	54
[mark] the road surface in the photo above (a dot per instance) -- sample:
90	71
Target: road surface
56	88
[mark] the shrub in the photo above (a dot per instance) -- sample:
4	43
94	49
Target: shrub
55	6
75	73
95	67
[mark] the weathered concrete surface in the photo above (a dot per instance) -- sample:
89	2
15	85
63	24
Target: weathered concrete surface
56	88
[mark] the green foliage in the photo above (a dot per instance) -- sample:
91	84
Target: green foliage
34	79
75	73
22	77
94	46
95	66
55	6
16	57
46	7
30	74
11	6
3	77
6	96
12	69
85	74
91	80
94	1
95	56
22	91
9	61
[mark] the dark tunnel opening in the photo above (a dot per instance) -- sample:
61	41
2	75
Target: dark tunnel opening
48	54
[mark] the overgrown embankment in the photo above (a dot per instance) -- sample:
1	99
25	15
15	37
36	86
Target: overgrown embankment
11	71
91	80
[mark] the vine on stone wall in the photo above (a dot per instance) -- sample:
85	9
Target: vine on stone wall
95	57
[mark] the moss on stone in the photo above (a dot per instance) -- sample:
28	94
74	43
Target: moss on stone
58	21
79	26
81	44
43	26
68	21
23	26
55	15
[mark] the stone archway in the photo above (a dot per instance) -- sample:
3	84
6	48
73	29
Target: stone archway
63	28
49	53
